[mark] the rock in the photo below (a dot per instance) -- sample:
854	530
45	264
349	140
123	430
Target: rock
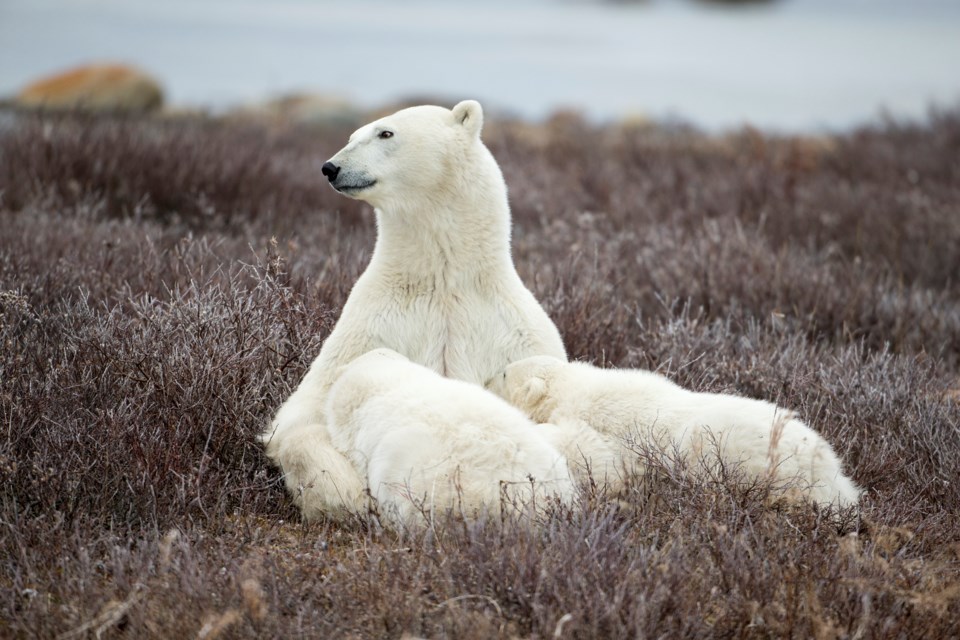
95	87
303	109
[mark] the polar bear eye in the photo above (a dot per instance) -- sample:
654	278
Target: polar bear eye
384	135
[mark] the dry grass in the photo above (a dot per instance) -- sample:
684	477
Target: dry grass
163	285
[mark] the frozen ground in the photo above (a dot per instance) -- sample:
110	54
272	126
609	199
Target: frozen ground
793	65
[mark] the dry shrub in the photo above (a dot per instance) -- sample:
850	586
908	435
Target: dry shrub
165	284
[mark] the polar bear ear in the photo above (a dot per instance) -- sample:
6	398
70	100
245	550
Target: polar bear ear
533	391
469	114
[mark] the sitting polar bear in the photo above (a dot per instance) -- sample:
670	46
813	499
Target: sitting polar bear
441	287
603	416
426	442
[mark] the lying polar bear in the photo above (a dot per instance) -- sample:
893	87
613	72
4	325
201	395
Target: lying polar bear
601	416
425	442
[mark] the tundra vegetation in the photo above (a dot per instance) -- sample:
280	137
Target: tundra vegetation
164	283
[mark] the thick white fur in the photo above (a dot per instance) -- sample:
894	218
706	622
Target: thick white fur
430	443
603	414
441	288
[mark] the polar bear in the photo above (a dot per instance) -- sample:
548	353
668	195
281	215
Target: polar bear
427	443
440	289
593	458
630	409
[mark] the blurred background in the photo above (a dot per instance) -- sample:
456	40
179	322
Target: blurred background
781	65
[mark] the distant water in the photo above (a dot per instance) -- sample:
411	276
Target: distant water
800	65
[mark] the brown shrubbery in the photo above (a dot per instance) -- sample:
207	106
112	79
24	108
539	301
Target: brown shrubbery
165	284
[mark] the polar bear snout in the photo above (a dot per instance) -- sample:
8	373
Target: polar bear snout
330	170
346	179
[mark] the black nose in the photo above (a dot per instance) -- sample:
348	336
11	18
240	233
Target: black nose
330	170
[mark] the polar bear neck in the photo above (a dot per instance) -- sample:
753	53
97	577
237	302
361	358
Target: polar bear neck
454	239
461	230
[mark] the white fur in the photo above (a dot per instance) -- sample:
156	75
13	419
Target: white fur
441	288
626	408
429	443
593	457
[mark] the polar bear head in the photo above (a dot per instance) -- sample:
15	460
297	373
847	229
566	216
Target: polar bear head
411	154
368	375
373	363
526	385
